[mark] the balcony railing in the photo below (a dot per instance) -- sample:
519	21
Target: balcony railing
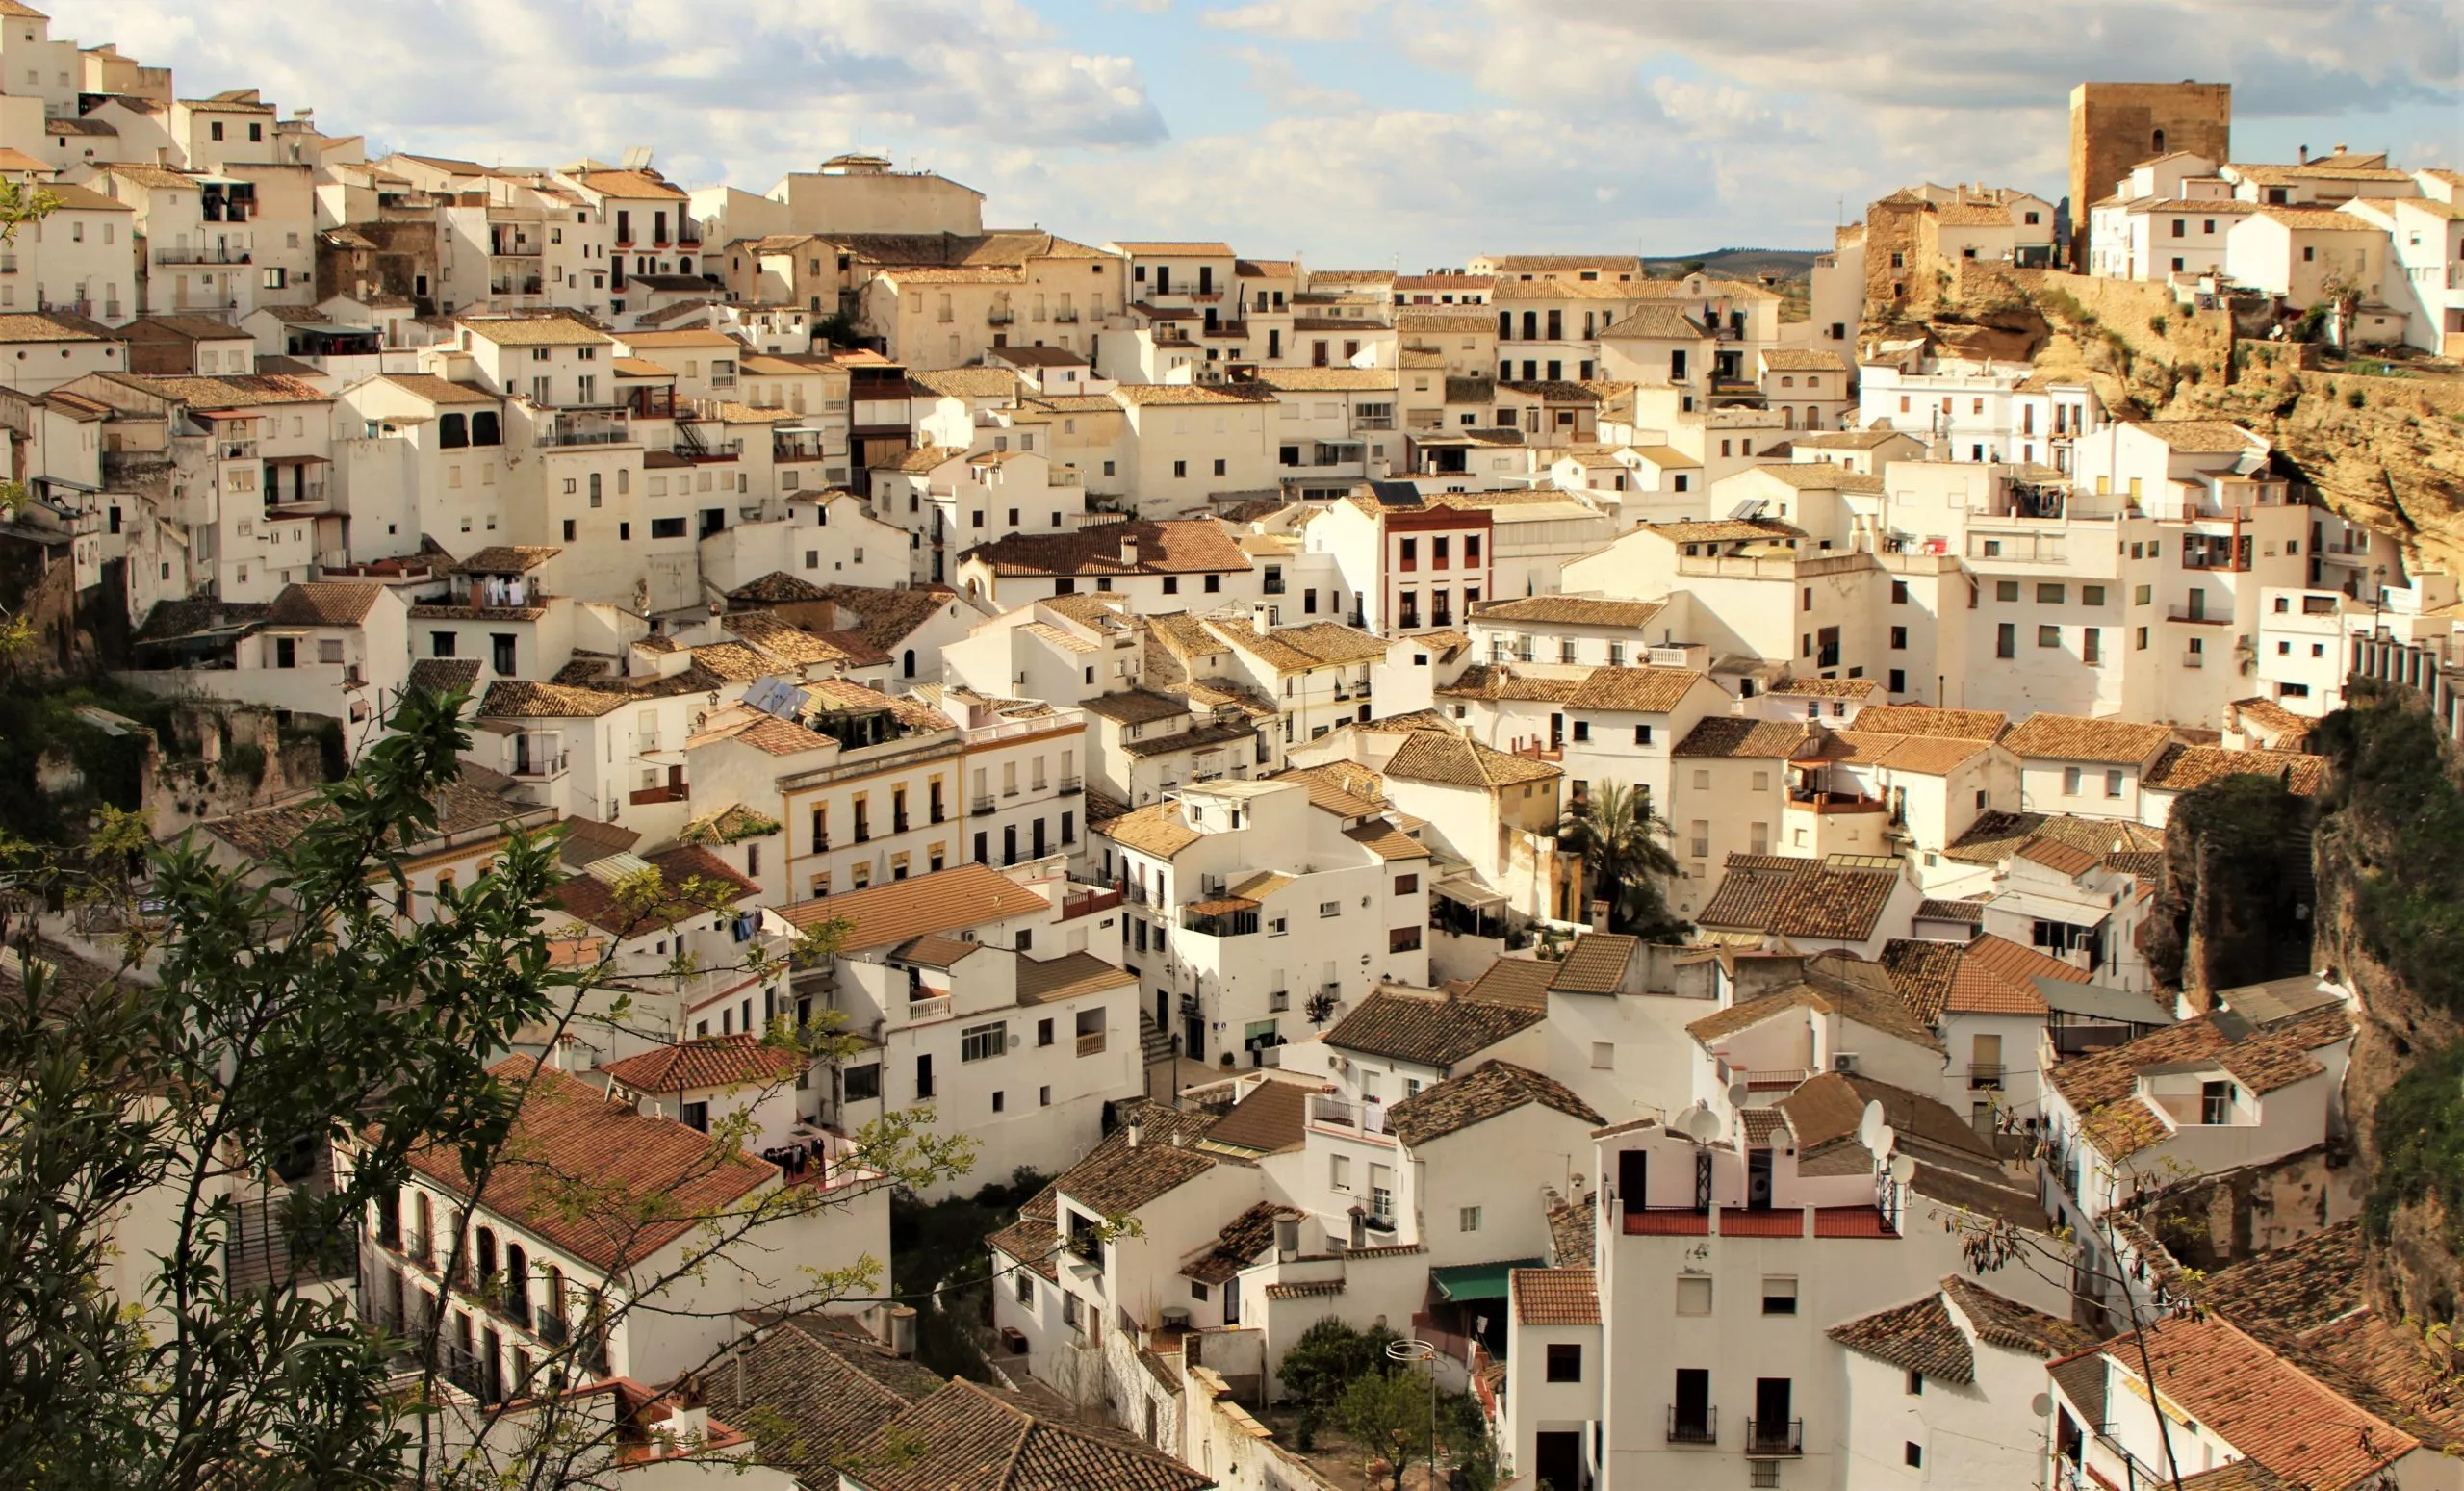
1085	903
981	802
933	1009
181	253
1090	1046
1067	316
603	431
1693	1427
553	1329
1366	1118
540	763
1985	1076
998	317
1774	1439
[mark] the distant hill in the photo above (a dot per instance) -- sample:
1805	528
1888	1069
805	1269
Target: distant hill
1741	263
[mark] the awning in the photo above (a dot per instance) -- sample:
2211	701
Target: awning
1467	1282
1222	906
2097	1002
1468	893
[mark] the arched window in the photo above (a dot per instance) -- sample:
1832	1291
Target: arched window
552	1305
517	1284
485	428
2160	141
423	1240
1788	418
486	1248
909	662
683	265
452	431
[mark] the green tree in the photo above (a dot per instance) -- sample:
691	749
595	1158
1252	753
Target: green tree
262	1014
1328	1356
1623	843
1387	1413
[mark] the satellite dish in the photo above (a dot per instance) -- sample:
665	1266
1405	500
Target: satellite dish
1699	1123
1903	1168
636	157
2042	1405
1872	1127
1739	1093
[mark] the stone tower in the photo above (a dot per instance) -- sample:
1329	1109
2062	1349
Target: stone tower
2114	126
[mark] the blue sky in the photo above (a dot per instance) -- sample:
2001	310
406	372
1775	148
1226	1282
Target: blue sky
1359	133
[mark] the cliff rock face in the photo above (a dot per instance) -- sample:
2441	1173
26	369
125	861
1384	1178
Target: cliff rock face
2387	450
2387	888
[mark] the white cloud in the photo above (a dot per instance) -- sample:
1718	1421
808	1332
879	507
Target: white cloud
1279	81
1294	21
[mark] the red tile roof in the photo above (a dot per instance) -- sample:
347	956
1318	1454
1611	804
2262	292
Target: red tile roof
716	1062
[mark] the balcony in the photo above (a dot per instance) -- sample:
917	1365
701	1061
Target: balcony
2198	614
980	803
1775	1439
2194	659
539	765
1086	900
553	1331
1070	786
1065	316
234	450
1834	801
1090	1045
582	430
8	264
1226	918
1693	1426
181	253
1984	1077
1000	317
1375	422
919	1010
1366	1118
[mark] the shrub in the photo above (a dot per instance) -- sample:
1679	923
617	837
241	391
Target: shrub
2406	818
2421	1144
2354	399
2156	325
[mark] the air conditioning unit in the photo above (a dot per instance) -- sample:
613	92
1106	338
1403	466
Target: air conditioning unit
1844	1061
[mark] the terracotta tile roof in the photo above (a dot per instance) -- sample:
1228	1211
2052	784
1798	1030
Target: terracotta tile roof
1574	1230
827	1390
1990	975
1067	977
1032	1242
1555	1296
970	382
1570	610
1519	982
1118	1177
2265	1406
1344	788
1316	1288
1448	761
1487	1090
1156	829
1909	719
534	332
1425	1027
2102	1088
970	1438
730	825
715	1062
1822	477
1387	841
2184	768
1813	898
1170	547
951	900
1270	1118
1594	964
50	327
569	1139
1825	688
1851	989
1997	835
325	603
2002	1322
1153	395
1919	1336
1735	736
1241	1241
2072	737
596	902
1361	380
1728	529
884	618
444	675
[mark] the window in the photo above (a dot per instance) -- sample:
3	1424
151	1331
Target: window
1565	1361
2092	595
2006	590
1583	729
2071	777
1693	1296
1916	1382
2049	595
2006	641
1330	908
667	528
1339	1172
2048	636
1603	1056
1913	1453
864	1084
1043	1032
1467	1219
2112	783
1407	885
983	1043
1899	640
1780	1295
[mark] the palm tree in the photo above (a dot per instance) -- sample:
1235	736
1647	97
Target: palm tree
1623	844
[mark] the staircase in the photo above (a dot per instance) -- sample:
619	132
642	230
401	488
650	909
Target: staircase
2299	848
1153	1044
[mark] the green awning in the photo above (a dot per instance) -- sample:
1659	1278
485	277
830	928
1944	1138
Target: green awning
1466	1282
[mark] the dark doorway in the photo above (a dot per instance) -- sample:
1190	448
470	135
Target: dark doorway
1632	1165
1771	1429
1758	1180
1558	1459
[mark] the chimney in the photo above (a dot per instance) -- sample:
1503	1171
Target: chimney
1598	915
2340	147
1287	1239
902	1330
2305	155
1129	549
1133	1136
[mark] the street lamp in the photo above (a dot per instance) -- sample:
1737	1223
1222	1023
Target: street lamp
1412	1350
